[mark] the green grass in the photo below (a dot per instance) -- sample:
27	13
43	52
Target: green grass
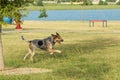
72	7
86	55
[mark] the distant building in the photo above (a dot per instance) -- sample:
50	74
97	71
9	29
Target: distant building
81	2
97	1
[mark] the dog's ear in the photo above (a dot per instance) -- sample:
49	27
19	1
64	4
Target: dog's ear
52	35
57	33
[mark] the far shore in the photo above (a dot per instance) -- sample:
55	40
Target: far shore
72	7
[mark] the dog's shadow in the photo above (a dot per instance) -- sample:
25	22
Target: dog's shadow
41	56
88	46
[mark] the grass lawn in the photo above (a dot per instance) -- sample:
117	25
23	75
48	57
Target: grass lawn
72	7
88	53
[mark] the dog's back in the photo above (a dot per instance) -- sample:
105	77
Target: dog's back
40	43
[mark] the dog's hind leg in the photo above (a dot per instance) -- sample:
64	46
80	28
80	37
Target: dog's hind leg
32	55
29	52
26	56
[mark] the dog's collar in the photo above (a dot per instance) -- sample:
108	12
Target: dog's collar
52	40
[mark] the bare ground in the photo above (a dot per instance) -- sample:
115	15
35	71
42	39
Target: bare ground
20	71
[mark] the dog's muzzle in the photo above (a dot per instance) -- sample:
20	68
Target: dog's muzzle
59	41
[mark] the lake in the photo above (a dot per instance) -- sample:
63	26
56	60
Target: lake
75	15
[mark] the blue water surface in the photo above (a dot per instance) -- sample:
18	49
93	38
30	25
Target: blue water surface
76	15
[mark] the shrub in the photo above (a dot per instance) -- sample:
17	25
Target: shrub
39	3
118	3
87	2
102	2
43	13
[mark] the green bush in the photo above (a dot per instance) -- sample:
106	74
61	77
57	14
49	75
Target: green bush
43	13
29	4
87	2
118	3
102	2
111	0
73	0
39	3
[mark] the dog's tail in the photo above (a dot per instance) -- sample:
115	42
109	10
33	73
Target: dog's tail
24	39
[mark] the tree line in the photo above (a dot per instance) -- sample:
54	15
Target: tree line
85	2
13	9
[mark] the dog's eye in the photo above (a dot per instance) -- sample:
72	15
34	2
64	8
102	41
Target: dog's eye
59	37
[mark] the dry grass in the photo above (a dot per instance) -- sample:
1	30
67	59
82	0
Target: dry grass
67	25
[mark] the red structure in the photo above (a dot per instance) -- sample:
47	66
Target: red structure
18	26
91	22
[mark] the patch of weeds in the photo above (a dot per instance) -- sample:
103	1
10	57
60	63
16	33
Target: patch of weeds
15	77
84	71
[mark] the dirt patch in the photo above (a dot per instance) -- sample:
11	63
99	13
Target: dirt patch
19	71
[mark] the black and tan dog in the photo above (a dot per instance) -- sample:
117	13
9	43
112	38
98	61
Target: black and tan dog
44	44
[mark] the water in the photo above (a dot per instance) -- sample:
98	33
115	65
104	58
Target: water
76	15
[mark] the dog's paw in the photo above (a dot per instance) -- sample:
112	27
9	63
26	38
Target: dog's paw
59	51
51	53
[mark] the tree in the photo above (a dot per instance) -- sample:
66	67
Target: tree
1	49
7	7
12	9
118	2
39	3
102	2
87	2
43	13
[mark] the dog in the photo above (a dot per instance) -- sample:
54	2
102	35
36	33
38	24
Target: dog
46	44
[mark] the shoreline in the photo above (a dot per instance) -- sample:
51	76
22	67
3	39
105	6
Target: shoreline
72	7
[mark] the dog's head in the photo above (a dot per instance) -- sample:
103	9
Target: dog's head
57	38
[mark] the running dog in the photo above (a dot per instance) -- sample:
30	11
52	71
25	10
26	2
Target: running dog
46	44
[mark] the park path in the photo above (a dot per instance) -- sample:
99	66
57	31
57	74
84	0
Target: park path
19	71
80	31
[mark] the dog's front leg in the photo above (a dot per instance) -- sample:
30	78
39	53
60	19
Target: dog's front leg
58	51
50	48
52	51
